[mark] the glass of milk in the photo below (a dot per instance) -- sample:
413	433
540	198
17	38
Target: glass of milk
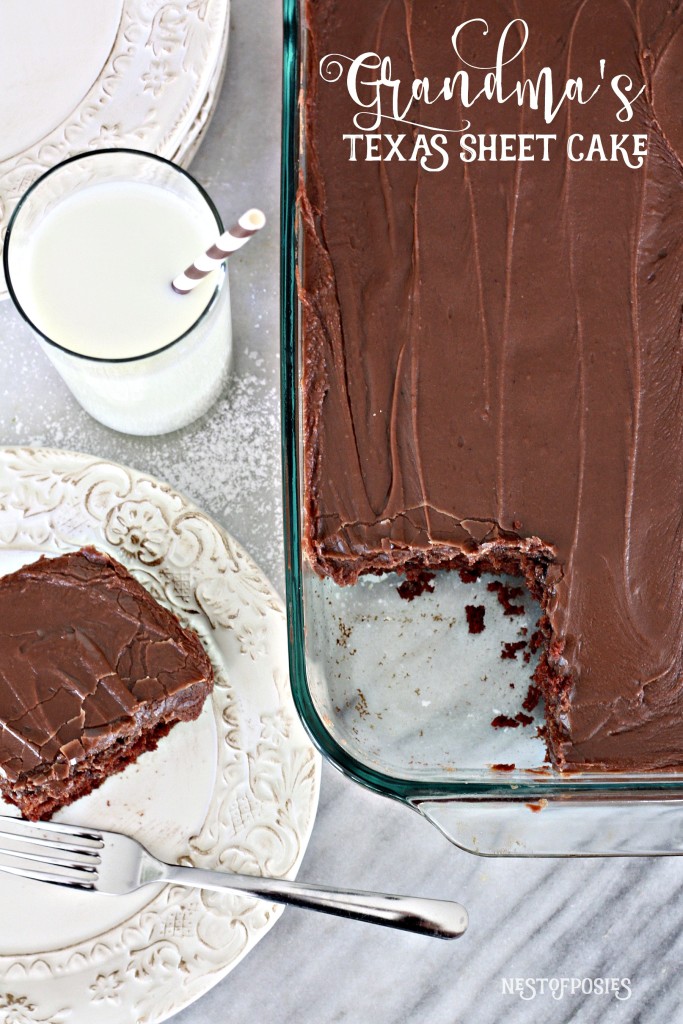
89	256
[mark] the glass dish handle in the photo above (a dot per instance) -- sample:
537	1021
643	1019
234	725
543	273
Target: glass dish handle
573	826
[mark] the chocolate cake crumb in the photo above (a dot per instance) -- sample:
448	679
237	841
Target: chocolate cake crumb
475	617
542	734
506	595
503	767
505	722
533	696
536	640
468	575
361	706
523	719
416	585
511	650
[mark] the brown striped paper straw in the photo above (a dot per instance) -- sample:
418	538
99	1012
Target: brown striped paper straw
229	242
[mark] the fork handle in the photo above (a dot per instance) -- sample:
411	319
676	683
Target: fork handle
440	918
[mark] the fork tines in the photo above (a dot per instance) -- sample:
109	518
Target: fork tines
28	849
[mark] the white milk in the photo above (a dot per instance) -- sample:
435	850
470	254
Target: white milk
94	275
100	266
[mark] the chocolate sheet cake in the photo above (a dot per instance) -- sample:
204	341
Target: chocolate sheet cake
492	352
93	672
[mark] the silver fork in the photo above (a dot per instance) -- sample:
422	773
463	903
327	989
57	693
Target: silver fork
93	860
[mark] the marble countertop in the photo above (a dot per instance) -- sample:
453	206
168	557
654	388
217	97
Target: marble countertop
535	919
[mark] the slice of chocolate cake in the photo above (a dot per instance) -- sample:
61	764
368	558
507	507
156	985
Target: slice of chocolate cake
93	672
492	345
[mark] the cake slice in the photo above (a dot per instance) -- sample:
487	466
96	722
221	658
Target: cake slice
93	672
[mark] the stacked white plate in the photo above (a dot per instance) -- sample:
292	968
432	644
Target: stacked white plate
90	74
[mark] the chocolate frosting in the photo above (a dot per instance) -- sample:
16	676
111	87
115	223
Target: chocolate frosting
492	353
86	656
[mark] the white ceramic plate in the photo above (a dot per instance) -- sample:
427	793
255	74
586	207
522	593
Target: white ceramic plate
237	789
89	74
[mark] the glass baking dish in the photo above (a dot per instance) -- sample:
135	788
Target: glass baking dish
398	694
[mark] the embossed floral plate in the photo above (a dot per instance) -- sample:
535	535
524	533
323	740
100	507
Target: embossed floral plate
91	74
237	789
